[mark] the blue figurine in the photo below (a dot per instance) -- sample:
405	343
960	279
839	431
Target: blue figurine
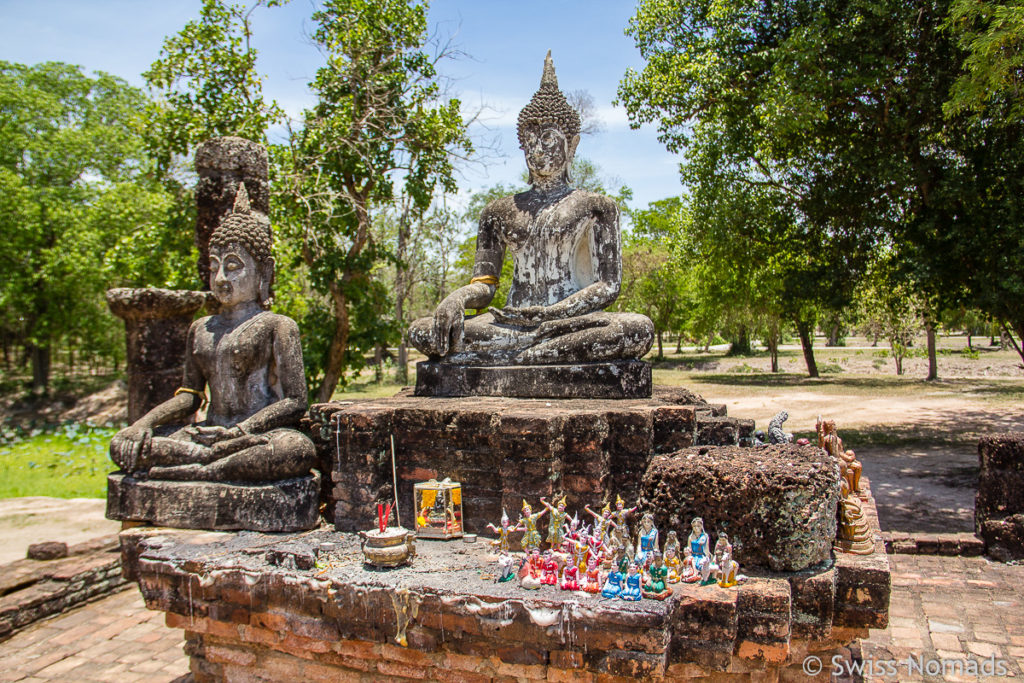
631	591
613	586
647	539
698	564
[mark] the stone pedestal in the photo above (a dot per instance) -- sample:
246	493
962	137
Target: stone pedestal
250	613
156	325
289	505
621	379
221	164
505	449
999	504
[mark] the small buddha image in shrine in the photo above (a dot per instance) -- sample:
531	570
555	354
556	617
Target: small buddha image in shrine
438	509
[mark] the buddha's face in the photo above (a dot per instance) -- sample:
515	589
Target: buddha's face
235	275
547	152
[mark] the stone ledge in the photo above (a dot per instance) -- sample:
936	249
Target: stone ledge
31	590
948	545
289	505
615	380
244	615
588	449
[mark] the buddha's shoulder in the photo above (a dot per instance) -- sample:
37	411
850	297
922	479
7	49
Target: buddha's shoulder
499	208
595	201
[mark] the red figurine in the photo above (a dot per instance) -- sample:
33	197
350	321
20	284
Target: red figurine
550	575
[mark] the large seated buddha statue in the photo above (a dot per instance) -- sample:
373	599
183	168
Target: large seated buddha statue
250	360
553	337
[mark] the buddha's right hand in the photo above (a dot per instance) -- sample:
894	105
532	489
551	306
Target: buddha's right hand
130	446
449	323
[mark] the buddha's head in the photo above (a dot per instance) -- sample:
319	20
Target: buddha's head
241	260
549	130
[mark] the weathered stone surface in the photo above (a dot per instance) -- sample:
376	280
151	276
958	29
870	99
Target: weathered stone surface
614	379
1000	494
1004	538
247	614
221	164
156	324
502	449
47	550
779	502
288	505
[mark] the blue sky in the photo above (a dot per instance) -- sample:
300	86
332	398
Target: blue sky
505	41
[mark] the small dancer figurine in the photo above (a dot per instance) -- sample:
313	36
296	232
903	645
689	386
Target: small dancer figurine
528	522
674	564
592	582
550	575
603	523
621	514
501	542
647	538
506	567
570	577
657	574
698	554
631	591
531	571
727	567
555	521
612	585
672	541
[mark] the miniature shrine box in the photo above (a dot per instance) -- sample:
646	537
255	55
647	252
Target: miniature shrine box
438	509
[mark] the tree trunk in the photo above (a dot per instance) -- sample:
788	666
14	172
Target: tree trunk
661	351
1018	347
833	335
40	356
969	347
339	344
402	375
806	331
933	364
679	344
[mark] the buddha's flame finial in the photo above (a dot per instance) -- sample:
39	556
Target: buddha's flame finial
548	78
241	200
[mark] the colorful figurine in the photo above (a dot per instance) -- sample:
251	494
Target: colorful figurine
603	523
528	522
727	567
531	571
631	591
570	578
550	575
673	563
621	514
647	539
613	585
501	542
672	541
657	575
555	521
592	581
506	568
698	554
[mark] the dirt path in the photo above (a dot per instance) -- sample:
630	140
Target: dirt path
919	452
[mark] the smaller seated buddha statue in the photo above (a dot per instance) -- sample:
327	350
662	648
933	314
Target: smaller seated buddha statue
249	359
567	257
853	534
828	440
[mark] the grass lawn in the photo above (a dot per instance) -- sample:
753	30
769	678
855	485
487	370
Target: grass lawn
68	462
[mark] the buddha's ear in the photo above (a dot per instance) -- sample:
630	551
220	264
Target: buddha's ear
571	152
267	283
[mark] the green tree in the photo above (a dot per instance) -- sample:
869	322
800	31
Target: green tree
207	85
380	121
73	184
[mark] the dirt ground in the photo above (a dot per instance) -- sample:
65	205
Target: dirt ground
920	453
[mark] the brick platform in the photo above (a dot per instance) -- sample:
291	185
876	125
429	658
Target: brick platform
508	448
245	618
31	590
